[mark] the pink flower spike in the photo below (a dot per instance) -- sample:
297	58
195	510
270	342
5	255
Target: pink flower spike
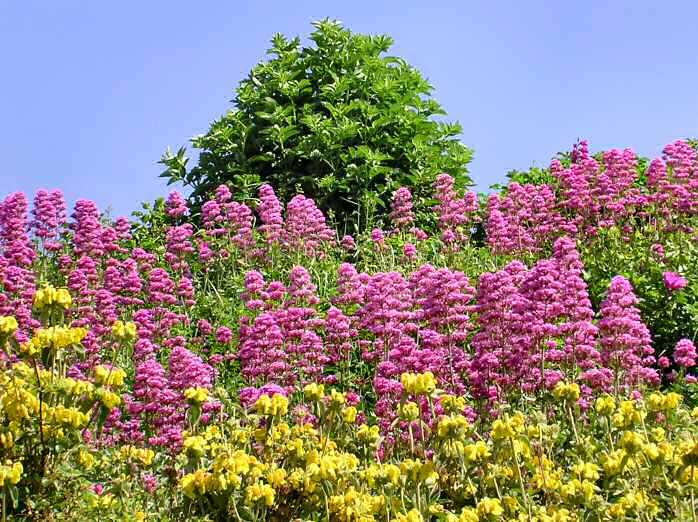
674	282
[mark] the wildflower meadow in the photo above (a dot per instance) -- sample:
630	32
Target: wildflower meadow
523	355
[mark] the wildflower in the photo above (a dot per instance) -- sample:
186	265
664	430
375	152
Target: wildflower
349	414
8	325
684	353
258	491
196	395
605	405
124	331
418	384
631	442
11	473
452	428
409	411
568	392
109	376
476	452
108	398
314	392
507	427
673	281
489	508
277	405
49	296
586	470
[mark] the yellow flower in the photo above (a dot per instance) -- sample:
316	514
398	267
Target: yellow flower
69	416
613	462
631	442
672	400
412	516
196	395
349	414
568	392
195	445
124	331
195	483
453	427
690	457
368	433
657	434
85	459
452	403
50	296
277	477
467	515
627	415
274	406
7	440
651	451
501	429
489	507
8	325
257	491
476	451
409	411
63	298
108	399
143	455
586	470
314	392
605	405
655	401
109	376
418	384
11	473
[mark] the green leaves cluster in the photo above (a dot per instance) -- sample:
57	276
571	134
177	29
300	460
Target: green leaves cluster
339	121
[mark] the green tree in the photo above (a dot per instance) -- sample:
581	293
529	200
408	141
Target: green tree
339	121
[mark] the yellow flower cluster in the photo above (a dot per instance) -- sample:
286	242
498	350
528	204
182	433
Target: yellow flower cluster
54	338
124	331
10	473
8	325
418	384
314	392
48	296
276	406
196	395
109	376
144	456
566	391
614	460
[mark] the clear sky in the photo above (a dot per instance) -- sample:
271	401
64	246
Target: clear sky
92	92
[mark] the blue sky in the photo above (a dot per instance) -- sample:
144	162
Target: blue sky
91	93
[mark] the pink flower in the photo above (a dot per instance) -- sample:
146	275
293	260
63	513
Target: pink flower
685	353
674	281
176	205
224	335
409	250
348	243
402	214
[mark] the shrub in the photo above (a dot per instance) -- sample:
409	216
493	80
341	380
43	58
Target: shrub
340	122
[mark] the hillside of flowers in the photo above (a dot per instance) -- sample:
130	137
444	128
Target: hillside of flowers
526	355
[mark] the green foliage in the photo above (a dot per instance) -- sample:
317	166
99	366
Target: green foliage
339	121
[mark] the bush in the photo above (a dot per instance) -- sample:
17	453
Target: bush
339	122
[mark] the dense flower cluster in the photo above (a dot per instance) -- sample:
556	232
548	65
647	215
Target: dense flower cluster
249	366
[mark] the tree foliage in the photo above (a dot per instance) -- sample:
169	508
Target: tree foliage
339	121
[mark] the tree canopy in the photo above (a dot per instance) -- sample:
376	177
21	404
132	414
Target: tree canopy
338	120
